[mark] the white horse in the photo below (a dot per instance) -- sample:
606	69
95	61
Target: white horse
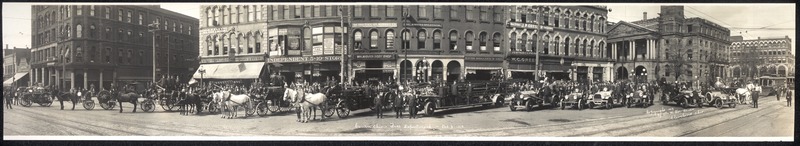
231	103
743	94
306	102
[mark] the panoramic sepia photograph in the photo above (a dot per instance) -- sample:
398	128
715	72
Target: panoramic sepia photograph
464	71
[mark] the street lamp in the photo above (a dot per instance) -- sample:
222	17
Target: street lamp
202	71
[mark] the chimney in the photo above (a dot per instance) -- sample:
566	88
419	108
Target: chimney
644	15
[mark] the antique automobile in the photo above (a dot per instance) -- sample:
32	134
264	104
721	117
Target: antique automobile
539	97
603	98
723	96
638	98
576	99
36	94
456	95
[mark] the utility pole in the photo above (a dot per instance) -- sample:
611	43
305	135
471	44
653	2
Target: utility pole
344	50
153	27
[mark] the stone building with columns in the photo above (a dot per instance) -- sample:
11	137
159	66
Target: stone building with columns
775	52
75	46
642	48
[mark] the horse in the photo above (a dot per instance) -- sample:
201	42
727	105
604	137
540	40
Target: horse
188	103
743	94
129	96
306	102
66	96
232	102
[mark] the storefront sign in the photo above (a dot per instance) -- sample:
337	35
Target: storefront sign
212	30
328	46
529	26
422	25
374	25
375	56
522	59
483	59
304	59
317	50
522	53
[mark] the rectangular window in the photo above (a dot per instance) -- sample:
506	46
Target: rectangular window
317	11
357	12
141	17
454	12
373	11
470	13
329	10
119	15
423	11
390	11
287	12
129	17
91	10
275	10
484	14
108	12
437	12
79	10
307	11
298	11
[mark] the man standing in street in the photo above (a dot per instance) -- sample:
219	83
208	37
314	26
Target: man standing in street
789	94
754	91
412	104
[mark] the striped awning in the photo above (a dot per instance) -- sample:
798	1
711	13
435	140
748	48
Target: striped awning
248	70
16	77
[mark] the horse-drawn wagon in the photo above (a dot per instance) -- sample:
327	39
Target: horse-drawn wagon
36	94
130	93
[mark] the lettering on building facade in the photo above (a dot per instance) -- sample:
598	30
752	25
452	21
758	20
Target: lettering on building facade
374	25
304	59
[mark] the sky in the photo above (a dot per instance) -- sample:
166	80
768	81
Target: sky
748	20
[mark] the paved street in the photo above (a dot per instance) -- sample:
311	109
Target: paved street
773	118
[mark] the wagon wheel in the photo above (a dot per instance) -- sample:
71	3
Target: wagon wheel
685	103
166	104
429	108
718	103
248	109
529	105
329	109
148	105
262	108
341	109
88	104
272	107
26	100
580	104
211	107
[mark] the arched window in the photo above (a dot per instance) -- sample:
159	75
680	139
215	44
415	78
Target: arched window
421	38
546	47
209	17
92	31
453	40
406	39
557	45
357	40
389	39
469	37
78	54
496	39
79	31
373	39
583	47
566	46
482	40
577	47
512	43
437	39
523	41
593	52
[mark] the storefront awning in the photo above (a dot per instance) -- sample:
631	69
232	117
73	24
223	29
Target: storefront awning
484	68
249	70
16	77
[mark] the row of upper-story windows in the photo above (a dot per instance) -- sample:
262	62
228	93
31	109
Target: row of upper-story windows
710	31
93	32
248	43
560	18
232	14
94	54
123	15
773	52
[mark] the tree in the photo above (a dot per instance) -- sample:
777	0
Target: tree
678	58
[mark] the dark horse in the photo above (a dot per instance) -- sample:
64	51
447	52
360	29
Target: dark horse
120	96
65	96
190	101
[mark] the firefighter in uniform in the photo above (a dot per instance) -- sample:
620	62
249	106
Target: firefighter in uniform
754	91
